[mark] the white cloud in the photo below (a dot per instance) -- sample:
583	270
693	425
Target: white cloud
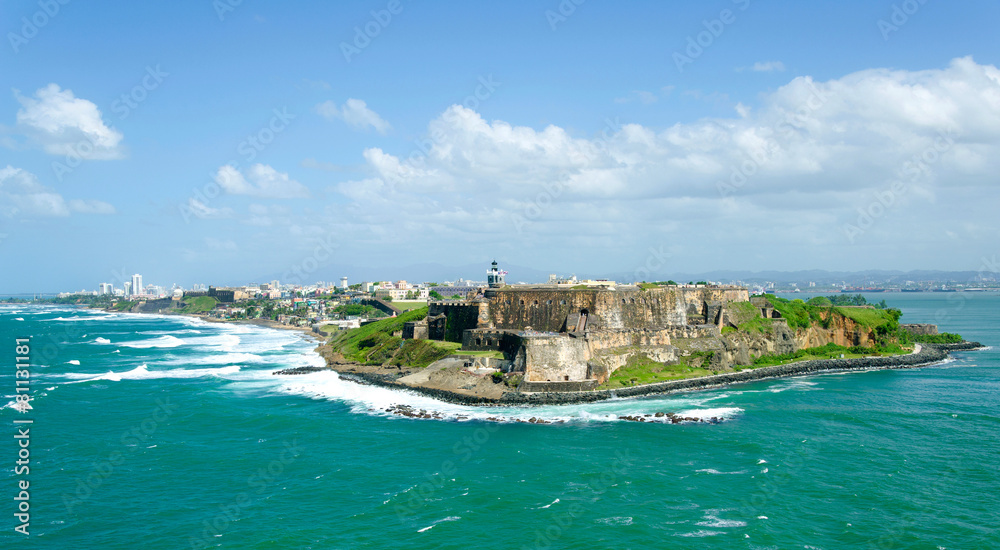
798	165
202	211
63	124
768	67
355	113
260	180
21	194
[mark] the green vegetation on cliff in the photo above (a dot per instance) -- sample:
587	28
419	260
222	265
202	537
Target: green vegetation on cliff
943	338
381	343
747	318
819	311
829	351
123	305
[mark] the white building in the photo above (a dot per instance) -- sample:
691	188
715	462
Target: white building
137	284
343	283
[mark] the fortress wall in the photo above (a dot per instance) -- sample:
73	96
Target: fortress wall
918	329
459	316
605	362
725	294
608	339
547	309
491	340
555	358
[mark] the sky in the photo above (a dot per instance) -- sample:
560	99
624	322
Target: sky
241	141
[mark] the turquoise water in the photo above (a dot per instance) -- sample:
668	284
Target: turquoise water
163	432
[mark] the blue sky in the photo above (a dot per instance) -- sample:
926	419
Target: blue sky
205	142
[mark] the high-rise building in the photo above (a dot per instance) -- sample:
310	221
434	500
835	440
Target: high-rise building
137	284
343	283
128	288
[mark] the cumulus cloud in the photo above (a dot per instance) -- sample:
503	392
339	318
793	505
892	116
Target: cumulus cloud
355	113
802	162
260	180
63	124
21	195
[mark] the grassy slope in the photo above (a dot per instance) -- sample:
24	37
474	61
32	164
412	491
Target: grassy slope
408	305
377	344
201	304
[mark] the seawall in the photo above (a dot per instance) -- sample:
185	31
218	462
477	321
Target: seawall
929	354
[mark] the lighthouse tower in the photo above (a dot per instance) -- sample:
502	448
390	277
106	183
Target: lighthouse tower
495	277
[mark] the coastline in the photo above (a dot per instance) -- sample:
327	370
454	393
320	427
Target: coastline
928	354
267	323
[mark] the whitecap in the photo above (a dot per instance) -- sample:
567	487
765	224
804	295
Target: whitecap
617	520
701	533
431	526
142	372
381	401
548	505
217	359
74	362
18	318
161	342
713	471
101	340
724	413
715	521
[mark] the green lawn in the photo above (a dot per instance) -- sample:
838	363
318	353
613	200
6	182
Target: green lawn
642	370
408	305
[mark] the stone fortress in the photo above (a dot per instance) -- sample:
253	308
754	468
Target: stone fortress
565	337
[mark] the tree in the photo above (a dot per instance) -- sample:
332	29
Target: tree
436	295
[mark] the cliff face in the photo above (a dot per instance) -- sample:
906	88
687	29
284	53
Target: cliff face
740	348
841	331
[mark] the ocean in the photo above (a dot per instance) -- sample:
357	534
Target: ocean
168	432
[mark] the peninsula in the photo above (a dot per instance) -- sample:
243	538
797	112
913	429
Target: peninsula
560	343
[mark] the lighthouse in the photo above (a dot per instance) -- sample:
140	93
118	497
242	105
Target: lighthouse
495	277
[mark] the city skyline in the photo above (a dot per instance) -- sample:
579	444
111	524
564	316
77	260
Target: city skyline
247	142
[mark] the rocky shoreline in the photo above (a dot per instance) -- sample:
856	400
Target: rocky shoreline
928	354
